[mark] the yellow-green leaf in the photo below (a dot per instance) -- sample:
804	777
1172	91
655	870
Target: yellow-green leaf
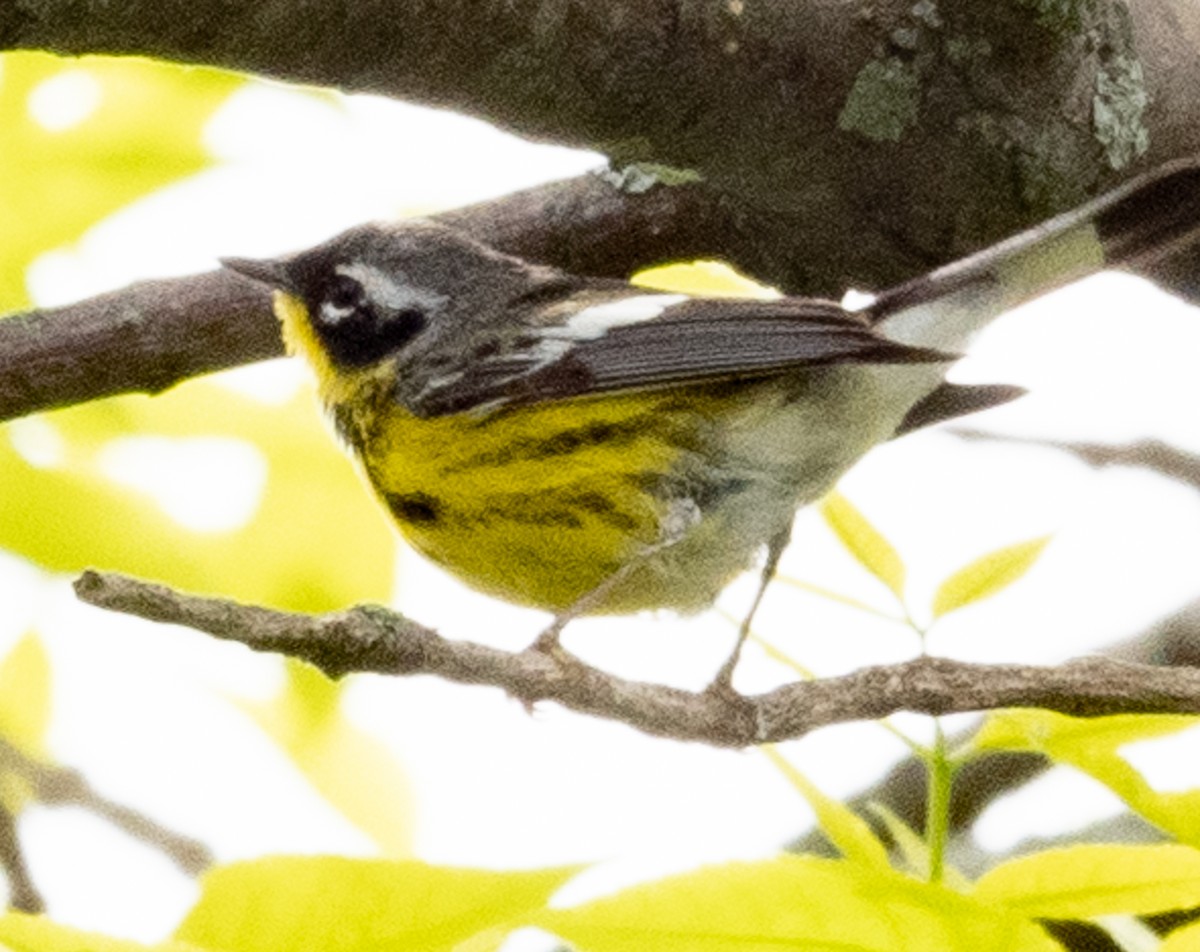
25	933
315	541
704	279
864	541
25	695
915	850
83	137
1186	939
848	832
792	902
1081	882
1093	746
298	904
307	722
24	712
1056	734
986	576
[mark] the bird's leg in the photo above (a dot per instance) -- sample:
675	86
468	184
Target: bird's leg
547	641
723	682
683	515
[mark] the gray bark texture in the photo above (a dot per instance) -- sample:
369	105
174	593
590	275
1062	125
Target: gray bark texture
857	143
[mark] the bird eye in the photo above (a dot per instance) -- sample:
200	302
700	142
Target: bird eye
344	293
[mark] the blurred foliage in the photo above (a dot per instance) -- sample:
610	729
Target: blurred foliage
306	722
23	933
25	700
847	831
105	484
336	904
1088	880
802	902
25	695
60	175
313	540
1093	745
316	540
345	905
1186	939
704	279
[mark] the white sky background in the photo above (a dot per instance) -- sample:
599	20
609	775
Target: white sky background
146	712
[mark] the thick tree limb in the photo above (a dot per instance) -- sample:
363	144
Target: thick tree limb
155	334
871	139
370	638
61	786
841	145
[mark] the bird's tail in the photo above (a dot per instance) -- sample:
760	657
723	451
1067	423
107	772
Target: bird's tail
1129	228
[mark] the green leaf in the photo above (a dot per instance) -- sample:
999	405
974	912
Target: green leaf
1057	734
25	695
307	722
1093	746
986	576
1186	939
317	540
1081	882
144	130
848	832
703	279
24	933
800	902
24	712
864	542
913	849
343	905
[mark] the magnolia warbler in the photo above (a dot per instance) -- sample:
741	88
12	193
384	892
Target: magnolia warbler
584	445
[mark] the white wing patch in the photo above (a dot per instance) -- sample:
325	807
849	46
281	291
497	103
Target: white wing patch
593	322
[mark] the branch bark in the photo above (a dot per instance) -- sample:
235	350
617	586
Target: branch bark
871	140
153	335
23	894
61	786
1154	455
371	638
1173	641
839	144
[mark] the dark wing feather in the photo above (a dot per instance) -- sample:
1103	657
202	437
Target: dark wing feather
952	400
696	341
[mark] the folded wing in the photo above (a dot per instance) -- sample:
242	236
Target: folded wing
677	342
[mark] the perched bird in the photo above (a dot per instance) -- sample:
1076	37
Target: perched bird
583	445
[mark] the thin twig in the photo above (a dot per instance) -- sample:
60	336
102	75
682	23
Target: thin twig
370	638
1173	641
61	786
1154	455
23	895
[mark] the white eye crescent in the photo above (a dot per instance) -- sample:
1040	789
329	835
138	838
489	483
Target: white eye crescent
388	289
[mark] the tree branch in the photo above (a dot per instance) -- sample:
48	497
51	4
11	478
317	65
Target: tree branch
61	786
371	638
23	895
155	334
873	139
1154	455
1173	641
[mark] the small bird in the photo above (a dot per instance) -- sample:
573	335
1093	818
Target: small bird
583	445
